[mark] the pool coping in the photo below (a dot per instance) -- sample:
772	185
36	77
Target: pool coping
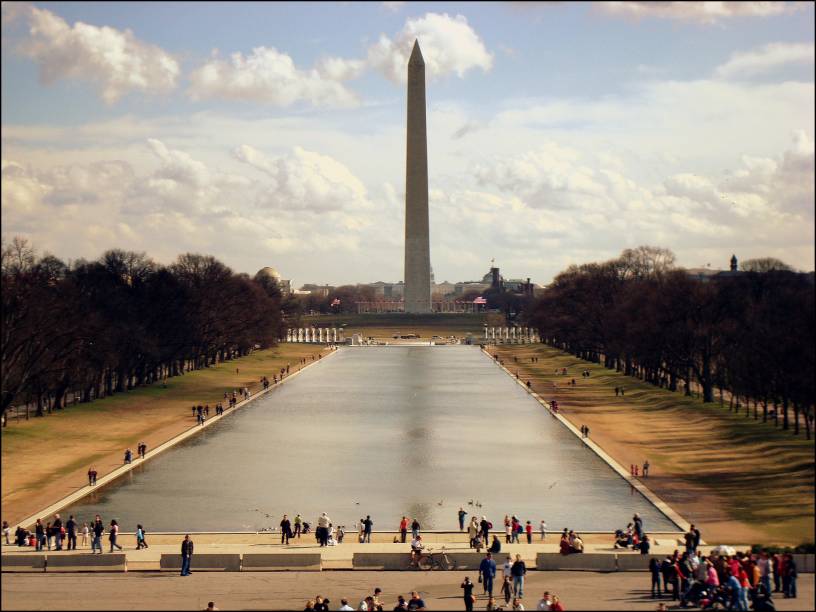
126	468
647	493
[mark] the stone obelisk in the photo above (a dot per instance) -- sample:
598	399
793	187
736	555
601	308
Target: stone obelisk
417	243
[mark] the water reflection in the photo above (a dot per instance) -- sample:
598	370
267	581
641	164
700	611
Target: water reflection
383	431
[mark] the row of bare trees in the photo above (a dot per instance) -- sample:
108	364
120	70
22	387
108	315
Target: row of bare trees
749	335
95	328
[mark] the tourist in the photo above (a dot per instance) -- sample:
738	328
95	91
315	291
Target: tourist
565	548
638	521
645	468
517	605
485	525
320	605
487	572
140	538
187	548
495	546
545	602
113	534
462	515
415	528
776	564
764	566
689	539
286	530
85	531
468	595
39	530
298	525
791	573
507	568
529	530
210	606
128	456
645	545
403	527
70	531
416	602
654	570
323	529
56	527
367	525
508	530
98	531
416	550
90	477
507	589
556	605
310	605
543	529
344	606
473	531
142	449
519	571
735	588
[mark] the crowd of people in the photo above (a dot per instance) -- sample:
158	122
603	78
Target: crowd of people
53	534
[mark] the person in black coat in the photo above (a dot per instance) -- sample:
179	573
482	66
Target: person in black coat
186	555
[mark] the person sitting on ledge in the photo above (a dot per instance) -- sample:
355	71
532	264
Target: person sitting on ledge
495	547
577	544
564	545
416	550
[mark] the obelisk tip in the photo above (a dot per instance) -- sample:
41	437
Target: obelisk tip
416	55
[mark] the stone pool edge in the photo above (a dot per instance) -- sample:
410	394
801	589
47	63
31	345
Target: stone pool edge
650	496
124	469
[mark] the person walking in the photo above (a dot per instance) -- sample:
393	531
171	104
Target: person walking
98	530
367	525
186	555
487	572
70	530
462	515
298	525
403	527
473	532
113	534
519	571
507	589
485	525
140	538
286	529
468	595
90	476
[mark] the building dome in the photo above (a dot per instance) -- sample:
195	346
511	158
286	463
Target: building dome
271	272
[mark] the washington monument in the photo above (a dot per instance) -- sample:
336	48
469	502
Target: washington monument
417	243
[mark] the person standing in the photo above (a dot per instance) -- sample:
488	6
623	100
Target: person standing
638	524
485	525
462	515
764	565
298	525
543	528
367	525
469	597
114	533
646	468
186	555
519	571
415	528
487	570
473	531
654	570
286	528
792	574
56	527
85	532
98	530
90	476
529	530
403	527
70	528
323	529
39	532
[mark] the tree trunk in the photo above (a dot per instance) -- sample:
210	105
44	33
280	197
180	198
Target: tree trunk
785	424
796	418
764	409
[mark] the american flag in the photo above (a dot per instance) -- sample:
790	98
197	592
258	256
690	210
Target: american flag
335	302
480	300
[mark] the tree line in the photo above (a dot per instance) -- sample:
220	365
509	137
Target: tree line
96	328
748	335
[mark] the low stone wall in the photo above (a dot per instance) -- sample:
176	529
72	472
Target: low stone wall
259	562
116	562
203	562
590	562
23	563
380	561
635	562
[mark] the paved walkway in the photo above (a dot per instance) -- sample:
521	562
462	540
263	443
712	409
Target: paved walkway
291	590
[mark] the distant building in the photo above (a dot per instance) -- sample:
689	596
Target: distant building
284	285
318	290
707	274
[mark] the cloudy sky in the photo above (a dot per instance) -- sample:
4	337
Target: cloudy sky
273	134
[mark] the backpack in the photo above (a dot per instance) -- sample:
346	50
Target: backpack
489	525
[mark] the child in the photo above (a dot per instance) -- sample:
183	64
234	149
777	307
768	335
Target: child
140	538
507	589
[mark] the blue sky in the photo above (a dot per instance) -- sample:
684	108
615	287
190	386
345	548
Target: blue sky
558	133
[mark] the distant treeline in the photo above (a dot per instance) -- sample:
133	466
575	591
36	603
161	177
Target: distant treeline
748	334
102	327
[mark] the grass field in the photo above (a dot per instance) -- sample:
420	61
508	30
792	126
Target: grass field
738	479
45	459
385	325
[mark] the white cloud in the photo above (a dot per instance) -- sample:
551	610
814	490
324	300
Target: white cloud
701	12
449	46
267	75
765	59
392	6
115	60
